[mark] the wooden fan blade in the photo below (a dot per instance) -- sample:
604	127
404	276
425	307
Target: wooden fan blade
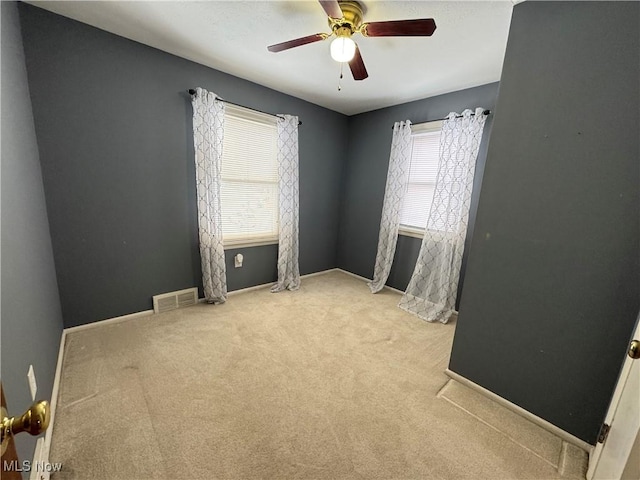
423	27
278	47
357	67
331	8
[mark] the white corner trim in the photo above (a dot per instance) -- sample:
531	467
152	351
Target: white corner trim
53	403
550	427
368	280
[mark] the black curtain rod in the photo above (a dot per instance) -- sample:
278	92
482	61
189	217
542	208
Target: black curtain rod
193	92
486	112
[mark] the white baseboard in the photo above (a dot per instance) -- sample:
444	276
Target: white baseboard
144	313
40	457
321	272
247	289
99	323
368	280
550	427
270	284
394	289
354	275
53	403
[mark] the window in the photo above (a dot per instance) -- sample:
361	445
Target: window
423	170
249	178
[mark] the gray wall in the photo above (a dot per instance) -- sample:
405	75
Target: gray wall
113	123
365	175
31	316
552	285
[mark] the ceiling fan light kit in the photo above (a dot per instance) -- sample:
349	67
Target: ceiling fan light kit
343	48
345	19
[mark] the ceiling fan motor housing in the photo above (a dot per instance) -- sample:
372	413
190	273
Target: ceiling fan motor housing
352	14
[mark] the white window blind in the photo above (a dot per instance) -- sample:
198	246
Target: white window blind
425	147
249	177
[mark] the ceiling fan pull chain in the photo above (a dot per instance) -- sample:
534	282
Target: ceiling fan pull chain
340	78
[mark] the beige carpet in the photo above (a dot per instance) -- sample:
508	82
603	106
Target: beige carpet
329	382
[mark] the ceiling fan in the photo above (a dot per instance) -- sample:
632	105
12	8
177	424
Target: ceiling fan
345	19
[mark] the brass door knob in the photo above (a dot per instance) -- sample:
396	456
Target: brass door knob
34	421
634	349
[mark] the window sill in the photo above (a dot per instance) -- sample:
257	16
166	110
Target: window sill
249	242
437	235
410	232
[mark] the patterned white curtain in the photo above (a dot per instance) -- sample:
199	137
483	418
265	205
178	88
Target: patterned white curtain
431	293
208	133
397	180
288	269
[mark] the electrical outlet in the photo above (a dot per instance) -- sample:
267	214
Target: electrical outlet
33	387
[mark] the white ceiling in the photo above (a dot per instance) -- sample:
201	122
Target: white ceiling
467	48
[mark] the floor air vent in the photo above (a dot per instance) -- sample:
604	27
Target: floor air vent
173	300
